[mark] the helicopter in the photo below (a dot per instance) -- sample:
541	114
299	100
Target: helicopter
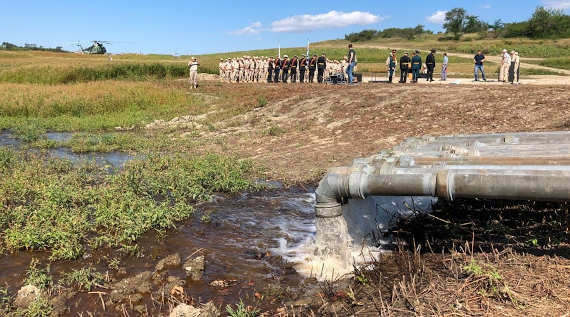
97	48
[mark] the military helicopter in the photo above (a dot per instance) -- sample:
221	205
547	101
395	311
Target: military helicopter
96	48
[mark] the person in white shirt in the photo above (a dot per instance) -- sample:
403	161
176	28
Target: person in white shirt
505	64
444	67
193	65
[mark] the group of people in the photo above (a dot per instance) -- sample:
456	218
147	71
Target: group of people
284	69
414	65
249	69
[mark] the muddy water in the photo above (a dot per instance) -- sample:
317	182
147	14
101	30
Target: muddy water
112	159
247	240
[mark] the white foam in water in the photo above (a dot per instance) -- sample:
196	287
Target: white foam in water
356	238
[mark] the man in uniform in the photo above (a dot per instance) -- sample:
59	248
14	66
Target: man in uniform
285	69
312	68
514	67
277	65
321	67
221	70
302	68
404	67
193	65
416	66
505	65
430	64
270	70
391	64
293	69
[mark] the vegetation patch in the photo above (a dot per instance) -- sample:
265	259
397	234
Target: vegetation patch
50	205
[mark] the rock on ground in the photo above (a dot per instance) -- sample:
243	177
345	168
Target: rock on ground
195	268
26	295
139	284
184	310
172	260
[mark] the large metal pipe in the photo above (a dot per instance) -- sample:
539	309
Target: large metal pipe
518	184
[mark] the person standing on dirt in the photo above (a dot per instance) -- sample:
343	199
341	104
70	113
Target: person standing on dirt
285	63
444	67
312	68
391	64
277	65
193	66
321	67
302	68
430	64
514	67
416	66
293	69
351	59
404	67
479	59
270	70
505	65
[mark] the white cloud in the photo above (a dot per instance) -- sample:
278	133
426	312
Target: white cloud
557	4
332	19
438	17
251	29
487	6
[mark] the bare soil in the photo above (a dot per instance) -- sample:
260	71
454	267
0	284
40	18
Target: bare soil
303	130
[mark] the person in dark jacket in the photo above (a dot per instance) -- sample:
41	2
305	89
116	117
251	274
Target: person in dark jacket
404	67
285	69
302	68
312	68
293	68
416	66
270	70
321	67
276	70
430	64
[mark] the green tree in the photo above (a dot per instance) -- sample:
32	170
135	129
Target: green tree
472	24
454	20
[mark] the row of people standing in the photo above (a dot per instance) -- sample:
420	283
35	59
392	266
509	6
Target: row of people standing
414	65
285	69
275	70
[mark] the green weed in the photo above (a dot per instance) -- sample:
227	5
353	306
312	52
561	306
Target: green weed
241	311
37	276
84	279
41	307
261	101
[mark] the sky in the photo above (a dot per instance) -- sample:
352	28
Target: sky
198	27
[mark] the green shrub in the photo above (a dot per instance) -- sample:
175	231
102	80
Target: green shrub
37	276
84	279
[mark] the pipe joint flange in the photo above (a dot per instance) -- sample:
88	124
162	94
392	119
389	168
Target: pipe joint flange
356	185
328	210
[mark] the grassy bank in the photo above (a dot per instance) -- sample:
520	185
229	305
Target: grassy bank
66	74
50	205
91	106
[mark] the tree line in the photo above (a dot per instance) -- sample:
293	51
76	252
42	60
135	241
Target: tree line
544	23
28	47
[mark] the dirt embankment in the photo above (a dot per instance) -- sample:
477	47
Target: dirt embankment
299	135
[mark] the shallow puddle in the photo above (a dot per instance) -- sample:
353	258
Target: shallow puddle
110	159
